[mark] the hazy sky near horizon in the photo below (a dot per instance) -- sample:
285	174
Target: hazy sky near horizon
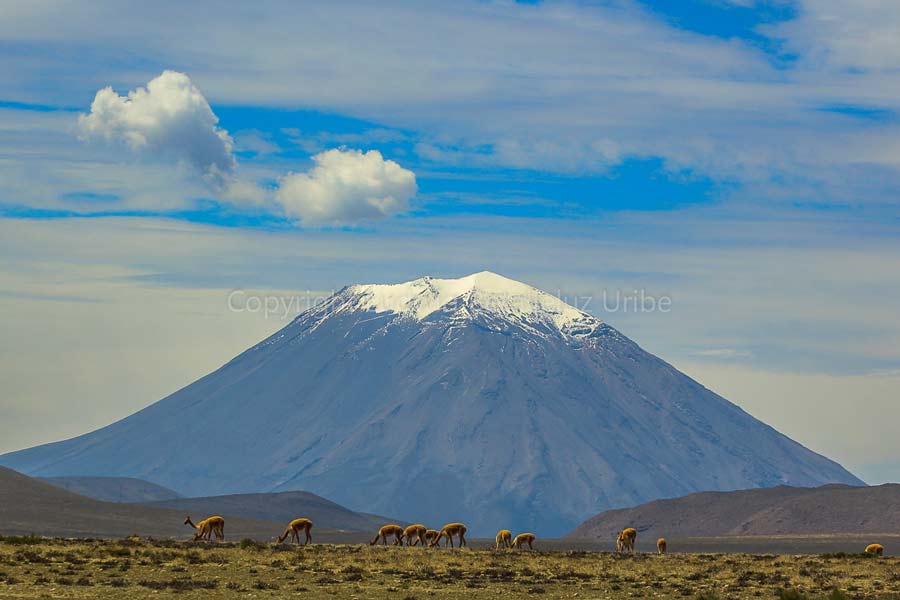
740	157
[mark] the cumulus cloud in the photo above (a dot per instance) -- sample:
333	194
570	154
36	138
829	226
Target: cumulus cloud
168	119
347	186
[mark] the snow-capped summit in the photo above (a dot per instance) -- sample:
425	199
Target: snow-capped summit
485	292
477	399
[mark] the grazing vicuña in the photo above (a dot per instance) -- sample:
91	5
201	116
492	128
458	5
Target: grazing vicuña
207	527
294	529
387	531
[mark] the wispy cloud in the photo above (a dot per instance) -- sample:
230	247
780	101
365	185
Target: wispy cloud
727	353
559	87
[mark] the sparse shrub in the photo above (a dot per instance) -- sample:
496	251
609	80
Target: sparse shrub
22	540
792	594
248	544
132	540
180	585
351	569
30	556
74	559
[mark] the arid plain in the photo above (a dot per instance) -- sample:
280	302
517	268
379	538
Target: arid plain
34	568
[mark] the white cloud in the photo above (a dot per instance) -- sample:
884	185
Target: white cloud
169	118
347	186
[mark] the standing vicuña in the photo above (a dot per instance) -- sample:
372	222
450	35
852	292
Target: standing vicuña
626	539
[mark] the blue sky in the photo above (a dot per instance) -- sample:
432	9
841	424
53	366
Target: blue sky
739	156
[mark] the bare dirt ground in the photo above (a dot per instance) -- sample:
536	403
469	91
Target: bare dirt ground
36	568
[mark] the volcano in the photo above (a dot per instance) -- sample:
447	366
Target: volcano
479	399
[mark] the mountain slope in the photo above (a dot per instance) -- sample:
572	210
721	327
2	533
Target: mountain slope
280	507
114	489
830	509
479	399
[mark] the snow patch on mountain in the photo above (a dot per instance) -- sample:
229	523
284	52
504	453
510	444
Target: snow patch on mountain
483	293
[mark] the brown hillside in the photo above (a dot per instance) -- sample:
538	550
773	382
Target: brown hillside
29	506
114	489
770	511
279	507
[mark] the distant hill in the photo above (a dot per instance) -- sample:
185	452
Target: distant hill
30	506
280	507
829	509
114	489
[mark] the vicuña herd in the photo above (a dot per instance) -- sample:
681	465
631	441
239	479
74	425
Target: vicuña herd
413	535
